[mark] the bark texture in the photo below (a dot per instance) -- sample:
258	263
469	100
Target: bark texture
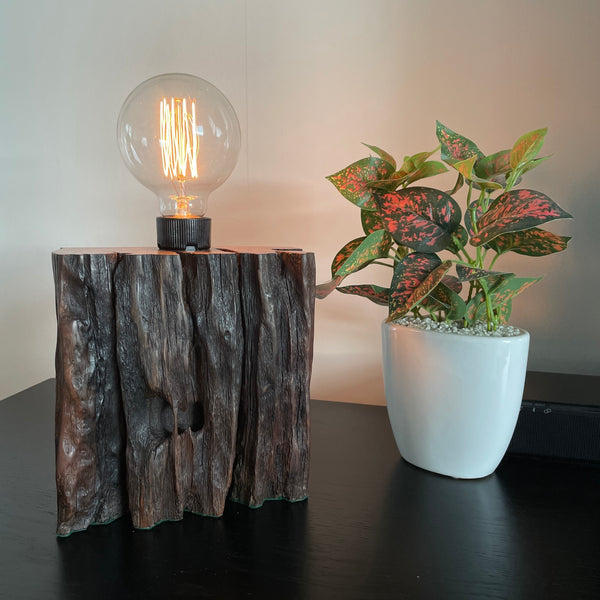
272	460
90	478
193	369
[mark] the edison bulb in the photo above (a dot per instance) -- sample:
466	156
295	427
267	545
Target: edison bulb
180	137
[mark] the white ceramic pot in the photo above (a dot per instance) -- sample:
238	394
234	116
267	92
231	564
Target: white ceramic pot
453	400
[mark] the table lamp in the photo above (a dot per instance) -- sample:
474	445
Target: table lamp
180	137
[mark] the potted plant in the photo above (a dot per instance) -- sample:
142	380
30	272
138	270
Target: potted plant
454	369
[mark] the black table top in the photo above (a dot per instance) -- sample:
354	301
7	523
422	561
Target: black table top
373	527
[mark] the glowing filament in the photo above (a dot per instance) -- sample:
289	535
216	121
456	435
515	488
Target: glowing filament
178	141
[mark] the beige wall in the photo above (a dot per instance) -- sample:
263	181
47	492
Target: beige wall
310	80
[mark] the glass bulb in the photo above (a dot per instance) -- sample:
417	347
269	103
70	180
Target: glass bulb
180	137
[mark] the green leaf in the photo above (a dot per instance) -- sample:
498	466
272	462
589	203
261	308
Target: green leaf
493	165
465	167
460	238
531	164
531	242
420	218
510	287
465	273
474	206
428	169
383	154
502	292
370	221
453	305
455	147
503	312
324	289
344	253
515	211
413	163
527	147
460	180
414	278
352	182
375	293
476	308
375	245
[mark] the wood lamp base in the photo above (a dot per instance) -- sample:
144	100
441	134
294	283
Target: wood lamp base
182	380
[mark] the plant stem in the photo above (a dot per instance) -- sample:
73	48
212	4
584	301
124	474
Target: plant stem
376	262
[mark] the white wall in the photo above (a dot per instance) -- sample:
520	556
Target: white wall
310	80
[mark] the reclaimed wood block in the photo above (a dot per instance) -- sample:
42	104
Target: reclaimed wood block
272	461
90	465
213	353
179	350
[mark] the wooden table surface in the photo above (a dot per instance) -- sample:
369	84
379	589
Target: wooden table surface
373	527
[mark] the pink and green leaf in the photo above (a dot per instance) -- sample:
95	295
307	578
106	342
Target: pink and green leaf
429	169
455	147
344	253
375	245
515	211
413	163
490	166
503	312
446	298
527	147
375	293
370	221
500	294
324	289
420	218
530	242
510	287
353	181
469	219
466	273
386	156
460	239
414	278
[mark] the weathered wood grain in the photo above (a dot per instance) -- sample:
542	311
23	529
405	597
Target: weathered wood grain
272	461
179	351
213	353
90	477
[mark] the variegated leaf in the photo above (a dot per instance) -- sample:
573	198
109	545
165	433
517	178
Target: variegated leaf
342	255
469	219
453	305
420	218
375	245
490	166
500	294
515	211
503	312
383	155
465	273
324	289
460	239
375	293
352	182
370	221
510	287
414	278
455	147
531	242
460	180
527	147
429	169
413	163
465	167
